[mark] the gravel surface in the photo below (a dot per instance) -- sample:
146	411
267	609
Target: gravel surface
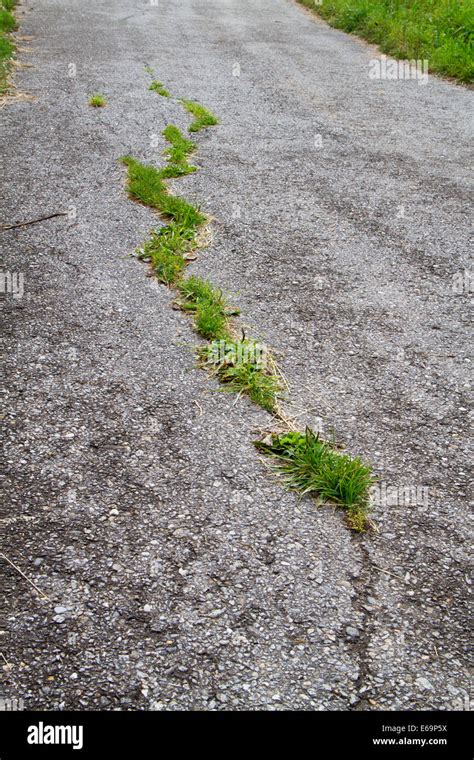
179	574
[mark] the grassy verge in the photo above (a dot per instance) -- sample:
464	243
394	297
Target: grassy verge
202	117
440	31
7	48
310	465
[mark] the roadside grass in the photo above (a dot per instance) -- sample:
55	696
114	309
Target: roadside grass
202	117
7	20
237	364
7	48
97	101
159	88
310	465
441	31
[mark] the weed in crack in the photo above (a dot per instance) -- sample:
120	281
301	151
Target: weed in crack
146	184
167	246
244	366
311	465
178	153
202	117
209	307
159	88
97	101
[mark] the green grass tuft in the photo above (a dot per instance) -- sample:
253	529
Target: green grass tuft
209	306
159	88
245	367
178	153
164	250
203	117
440	31
97	101
144	183
310	465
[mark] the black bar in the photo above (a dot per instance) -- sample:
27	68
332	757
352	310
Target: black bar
155	734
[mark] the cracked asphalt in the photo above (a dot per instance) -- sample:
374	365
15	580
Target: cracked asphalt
178	573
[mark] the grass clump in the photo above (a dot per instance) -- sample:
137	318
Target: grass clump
244	366
311	465
210	308
7	20
202	117
159	88
165	251
97	101
181	148
144	183
440	31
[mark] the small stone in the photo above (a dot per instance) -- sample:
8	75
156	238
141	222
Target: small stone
352	632
425	684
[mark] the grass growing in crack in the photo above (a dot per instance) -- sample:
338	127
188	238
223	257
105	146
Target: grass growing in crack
210	308
146	184
181	148
239	365
7	48
167	246
310	465
97	101
159	88
164	250
202	117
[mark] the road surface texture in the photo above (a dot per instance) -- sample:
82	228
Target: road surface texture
179	574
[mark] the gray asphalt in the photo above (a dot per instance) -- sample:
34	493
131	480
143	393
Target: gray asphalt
179	574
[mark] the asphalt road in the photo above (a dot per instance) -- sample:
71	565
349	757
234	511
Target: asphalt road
179	574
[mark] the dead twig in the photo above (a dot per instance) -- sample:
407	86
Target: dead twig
33	221
24	576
